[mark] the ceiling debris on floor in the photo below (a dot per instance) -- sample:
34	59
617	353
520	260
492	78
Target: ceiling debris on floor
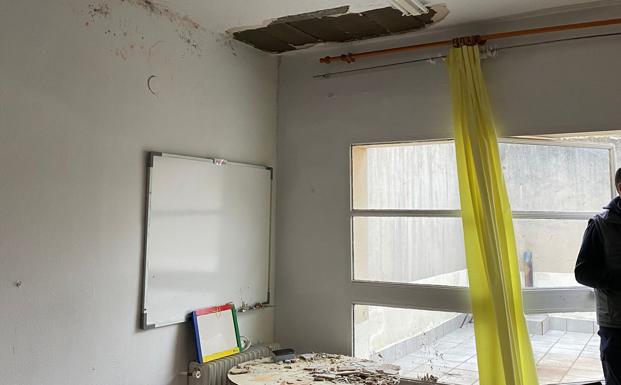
296	32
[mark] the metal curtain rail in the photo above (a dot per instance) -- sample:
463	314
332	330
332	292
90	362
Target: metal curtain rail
431	59
483	38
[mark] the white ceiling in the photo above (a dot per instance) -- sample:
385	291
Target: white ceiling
225	14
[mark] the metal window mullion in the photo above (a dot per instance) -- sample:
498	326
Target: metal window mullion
613	170
412	296
553	142
558	300
407	213
570	215
457	299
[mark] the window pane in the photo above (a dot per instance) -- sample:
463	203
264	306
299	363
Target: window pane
423	176
552	247
566	347
425	344
439	345
408	177
556	178
431	251
410	250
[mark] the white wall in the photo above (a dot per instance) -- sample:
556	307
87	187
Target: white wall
565	87
76	120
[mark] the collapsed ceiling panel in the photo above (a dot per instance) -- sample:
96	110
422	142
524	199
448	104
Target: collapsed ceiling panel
334	25
287	33
395	22
323	28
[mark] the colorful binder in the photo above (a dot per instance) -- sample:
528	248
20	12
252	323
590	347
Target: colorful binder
216	332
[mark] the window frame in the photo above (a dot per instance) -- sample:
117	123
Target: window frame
453	298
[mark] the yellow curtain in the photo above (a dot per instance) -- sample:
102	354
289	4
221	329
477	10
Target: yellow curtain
503	347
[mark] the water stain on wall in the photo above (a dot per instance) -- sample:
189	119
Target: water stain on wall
186	28
108	13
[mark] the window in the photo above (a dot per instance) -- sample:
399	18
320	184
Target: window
408	259
440	346
425	344
406	223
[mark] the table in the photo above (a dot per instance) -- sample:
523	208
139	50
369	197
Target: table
316	369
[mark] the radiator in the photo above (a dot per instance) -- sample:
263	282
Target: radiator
215	372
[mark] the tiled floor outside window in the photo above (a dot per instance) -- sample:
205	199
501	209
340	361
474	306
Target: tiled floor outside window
562	357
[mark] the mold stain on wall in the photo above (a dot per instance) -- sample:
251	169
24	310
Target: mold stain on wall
186	28
108	14
101	10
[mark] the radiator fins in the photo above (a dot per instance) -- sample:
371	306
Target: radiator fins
215	372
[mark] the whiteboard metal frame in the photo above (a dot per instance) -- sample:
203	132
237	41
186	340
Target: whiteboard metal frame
150	157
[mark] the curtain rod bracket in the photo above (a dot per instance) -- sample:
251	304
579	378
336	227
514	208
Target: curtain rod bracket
347	58
468	41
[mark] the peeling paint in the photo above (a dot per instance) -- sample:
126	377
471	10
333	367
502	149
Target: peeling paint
441	12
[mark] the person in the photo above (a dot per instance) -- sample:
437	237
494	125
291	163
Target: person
599	266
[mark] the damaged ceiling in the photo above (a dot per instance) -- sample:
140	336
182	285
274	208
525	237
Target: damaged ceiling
334	25
221	16
229	15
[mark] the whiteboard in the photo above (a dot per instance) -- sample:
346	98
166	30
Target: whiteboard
207	237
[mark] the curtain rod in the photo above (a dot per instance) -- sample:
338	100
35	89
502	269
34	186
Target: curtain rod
431	59
351	57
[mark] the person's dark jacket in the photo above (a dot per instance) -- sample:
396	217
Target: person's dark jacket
599	263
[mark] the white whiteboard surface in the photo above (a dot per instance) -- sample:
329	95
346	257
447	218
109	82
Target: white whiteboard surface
207	236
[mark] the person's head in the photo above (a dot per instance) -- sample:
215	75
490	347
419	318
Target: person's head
618	181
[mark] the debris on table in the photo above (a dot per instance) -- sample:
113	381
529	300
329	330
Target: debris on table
324	376
238	370
430	378
312	368
315	368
